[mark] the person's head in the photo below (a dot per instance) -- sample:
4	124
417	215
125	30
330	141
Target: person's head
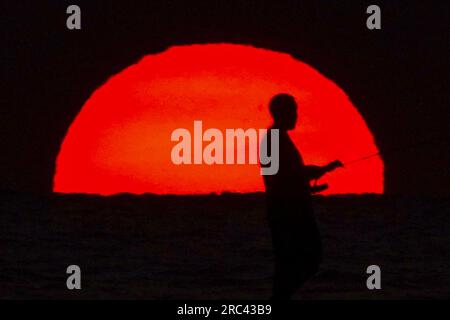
283	109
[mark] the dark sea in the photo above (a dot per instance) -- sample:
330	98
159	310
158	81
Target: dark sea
215	247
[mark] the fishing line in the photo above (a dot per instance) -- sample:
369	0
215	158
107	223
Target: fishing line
402	148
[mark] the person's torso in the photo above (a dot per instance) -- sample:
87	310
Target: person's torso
290	182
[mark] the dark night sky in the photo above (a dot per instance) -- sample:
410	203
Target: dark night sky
398	77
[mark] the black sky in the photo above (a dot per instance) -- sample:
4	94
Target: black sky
397	77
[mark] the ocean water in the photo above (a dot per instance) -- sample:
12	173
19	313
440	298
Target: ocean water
215	247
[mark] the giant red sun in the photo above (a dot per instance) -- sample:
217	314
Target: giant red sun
121	139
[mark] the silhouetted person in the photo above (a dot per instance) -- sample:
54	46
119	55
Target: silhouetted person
295	236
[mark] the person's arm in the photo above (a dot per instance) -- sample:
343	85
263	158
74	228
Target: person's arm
315	172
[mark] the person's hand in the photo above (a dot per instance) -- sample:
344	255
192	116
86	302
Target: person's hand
334	164
319	188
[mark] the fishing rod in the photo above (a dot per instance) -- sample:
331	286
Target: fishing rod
317	188
362	159
403	148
